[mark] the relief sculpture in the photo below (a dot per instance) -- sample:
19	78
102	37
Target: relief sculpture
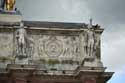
97	46
30	47
53	47
6	44
57	46
71	46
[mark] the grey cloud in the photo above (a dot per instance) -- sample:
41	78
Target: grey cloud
53	10
104	12
107	11
113	49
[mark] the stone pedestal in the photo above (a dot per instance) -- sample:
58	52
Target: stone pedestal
19	73
6	17
92	62
20	77
22	61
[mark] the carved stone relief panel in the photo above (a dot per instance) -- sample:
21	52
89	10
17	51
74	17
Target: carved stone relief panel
61	46
71	46
97	45
52	46
6	44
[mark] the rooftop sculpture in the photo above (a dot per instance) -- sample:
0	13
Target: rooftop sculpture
7	5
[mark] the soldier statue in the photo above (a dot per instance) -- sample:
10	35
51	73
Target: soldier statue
21	37
24	50
90	40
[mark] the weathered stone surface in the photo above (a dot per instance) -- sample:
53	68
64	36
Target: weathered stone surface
11	18
50	52
55	48
6	43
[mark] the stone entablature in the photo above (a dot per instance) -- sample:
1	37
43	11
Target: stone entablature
80	75
58	47
52	52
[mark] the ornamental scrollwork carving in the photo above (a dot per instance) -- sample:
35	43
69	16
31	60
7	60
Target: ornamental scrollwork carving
53	47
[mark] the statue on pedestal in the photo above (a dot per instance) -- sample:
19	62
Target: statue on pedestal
91	41
7	4
24	46
21	37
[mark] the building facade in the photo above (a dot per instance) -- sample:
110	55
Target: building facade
50	52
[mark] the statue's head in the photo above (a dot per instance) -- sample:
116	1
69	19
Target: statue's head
21	25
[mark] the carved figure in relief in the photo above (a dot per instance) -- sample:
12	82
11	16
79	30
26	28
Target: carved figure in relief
21	37
74	44
97	45
30	44
53	46
71	46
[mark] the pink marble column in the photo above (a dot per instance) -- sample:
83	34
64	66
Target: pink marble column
19	77
20	80
90	80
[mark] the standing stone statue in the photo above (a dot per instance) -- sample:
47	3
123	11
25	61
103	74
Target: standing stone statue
90	41
24	46
21	37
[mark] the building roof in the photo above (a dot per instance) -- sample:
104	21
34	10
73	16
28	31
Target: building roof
45	24
54	24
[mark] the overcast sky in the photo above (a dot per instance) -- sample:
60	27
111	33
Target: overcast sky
110	14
